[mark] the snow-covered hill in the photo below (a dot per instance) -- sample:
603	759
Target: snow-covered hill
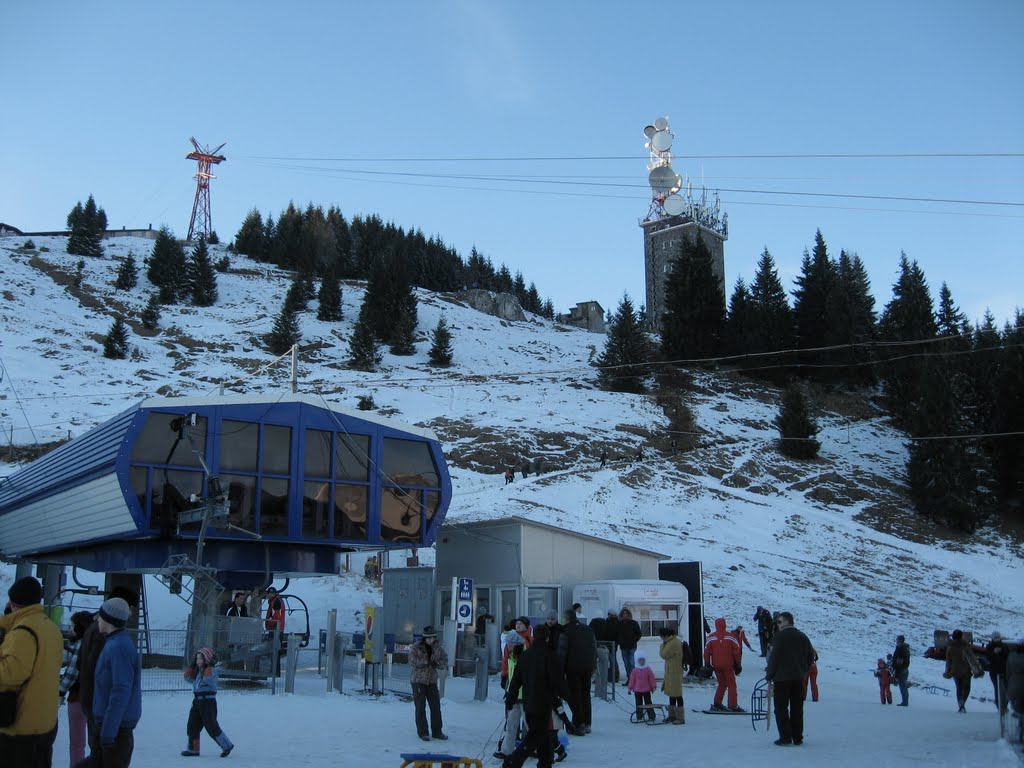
832	540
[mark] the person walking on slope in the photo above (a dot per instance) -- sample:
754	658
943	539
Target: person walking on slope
426	657
961	666
884	680
722	652
672	686
203	675
901	669
629	635
996	653
764	628
741	638
812	678
641	685
577	647
788	661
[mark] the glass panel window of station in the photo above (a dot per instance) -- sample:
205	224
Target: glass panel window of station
409	497
540	600
335	489
165	467
275	469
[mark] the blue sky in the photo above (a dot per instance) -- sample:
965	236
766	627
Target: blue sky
102	99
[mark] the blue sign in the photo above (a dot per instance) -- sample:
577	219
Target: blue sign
465	589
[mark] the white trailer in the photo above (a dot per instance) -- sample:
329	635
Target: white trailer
653	603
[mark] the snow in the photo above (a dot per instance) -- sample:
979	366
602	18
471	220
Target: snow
518	391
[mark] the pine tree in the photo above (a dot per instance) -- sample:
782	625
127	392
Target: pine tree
772	317
150	317
740	329
694	318
503	280
797	427
127	274
441	351
855	319
285	333
533	302
519	289
201	276
623	364
1008	418
287	243
908	317
549	309
404	336
814	302
363	349
87	224
115	344
167	268
250	239
329	298
389	295
296	300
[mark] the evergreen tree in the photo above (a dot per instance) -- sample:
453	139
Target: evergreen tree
694	318
740	335
329	298
403	340
150	317
908	317
503	282
363	349
115	344
127	274
389	296
519	289
201	276
797	427
342	259
533	302
87	224
1008	418
623	364
855	319
772	317
814	305
250	238
441	351
296	300
549	309
286	331
287	242
949	320
167	268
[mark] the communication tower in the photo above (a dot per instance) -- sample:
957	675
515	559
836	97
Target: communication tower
201	225
675	213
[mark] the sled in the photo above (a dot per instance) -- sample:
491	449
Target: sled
660	711
761	703
721	712
430	760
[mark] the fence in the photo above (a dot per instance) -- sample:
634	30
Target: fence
163	654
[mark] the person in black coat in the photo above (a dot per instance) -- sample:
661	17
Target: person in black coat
629	635
611	635
577	647
789	660
996	652
538	675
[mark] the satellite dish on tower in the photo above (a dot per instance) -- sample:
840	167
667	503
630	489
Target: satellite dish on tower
664	180
649	131
661	123
662	141
674	205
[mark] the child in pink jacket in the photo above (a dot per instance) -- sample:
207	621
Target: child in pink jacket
641	684
884	681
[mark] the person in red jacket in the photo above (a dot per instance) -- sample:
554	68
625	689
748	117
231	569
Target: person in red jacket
524	631
812	677
884	681
722	652
275	612
741	638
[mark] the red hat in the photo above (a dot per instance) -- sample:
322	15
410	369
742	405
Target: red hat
208	654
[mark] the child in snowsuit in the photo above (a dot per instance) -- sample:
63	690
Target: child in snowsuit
884	681
203	674
641	684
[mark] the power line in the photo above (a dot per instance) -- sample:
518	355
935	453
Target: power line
643	157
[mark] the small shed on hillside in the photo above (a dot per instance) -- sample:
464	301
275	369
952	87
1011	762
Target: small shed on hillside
524	567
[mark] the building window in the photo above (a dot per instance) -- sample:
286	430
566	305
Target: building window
161	442
409	497
316	509
540	600
277	449
274	506
408	462
241	491
652	618
401	514
239	445
351	457
350	511
317	461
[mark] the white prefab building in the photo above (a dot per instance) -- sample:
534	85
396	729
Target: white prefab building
654	604
523	567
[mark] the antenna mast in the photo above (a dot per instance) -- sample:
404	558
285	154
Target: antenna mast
201	225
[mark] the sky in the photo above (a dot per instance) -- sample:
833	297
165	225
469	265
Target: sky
388	108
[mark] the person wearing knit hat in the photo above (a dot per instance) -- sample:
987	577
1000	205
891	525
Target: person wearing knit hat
117	688
997	654
31	652
25	591
203	674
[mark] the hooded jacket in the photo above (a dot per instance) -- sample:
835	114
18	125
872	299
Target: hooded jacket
117	698
791	655
31	666
960	659
722	650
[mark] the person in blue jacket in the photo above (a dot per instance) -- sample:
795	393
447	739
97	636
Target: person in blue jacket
117	691
203	714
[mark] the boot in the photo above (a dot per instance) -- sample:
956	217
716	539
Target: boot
192	750
680	716
225	744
